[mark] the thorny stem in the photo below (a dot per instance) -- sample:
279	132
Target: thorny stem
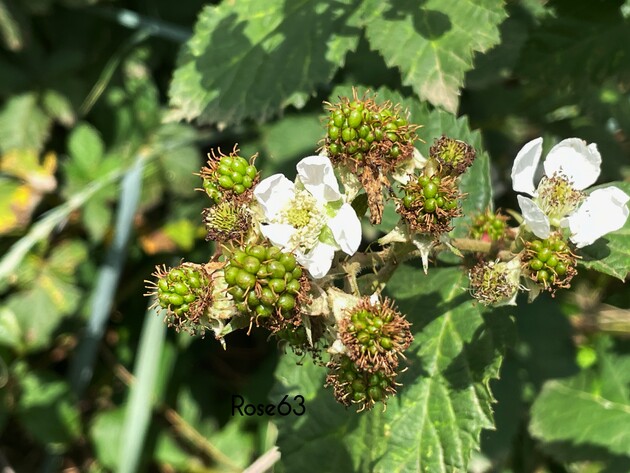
390	258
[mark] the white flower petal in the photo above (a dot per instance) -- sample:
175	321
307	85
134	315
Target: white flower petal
404	171
535	218
603	211
576	161
346	228
278	233
525	165
273	193
317	261
318	177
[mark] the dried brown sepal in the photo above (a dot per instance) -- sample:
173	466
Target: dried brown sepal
353	386
296	338
424	214
375	335
454	156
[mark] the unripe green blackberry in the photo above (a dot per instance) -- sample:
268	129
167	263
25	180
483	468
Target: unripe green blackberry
550	262
185	291
375	335
352	385
370	140
489	226
266	284
454	156
229	177
362	132
430	203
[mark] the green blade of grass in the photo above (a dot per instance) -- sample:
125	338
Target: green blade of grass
140	402
82	365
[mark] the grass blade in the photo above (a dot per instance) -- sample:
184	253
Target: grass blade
103	295
140	403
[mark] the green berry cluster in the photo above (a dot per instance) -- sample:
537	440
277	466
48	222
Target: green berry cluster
354	127
185	292
367	327
352	385
375	335
430	203
264	281
370	140
231	175
549	262
488	226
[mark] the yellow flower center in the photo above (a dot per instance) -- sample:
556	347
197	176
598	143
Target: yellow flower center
297	217
307	216
557	197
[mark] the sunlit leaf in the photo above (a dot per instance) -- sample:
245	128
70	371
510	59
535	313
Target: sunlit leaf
434	422
432	43
250	59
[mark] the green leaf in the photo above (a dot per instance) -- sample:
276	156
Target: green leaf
59	107
97	216
23	124
288	140
251	59
105	436
569	411
434	422
86	148
432	43
140	405
89	162
46	411
31	316
611	253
